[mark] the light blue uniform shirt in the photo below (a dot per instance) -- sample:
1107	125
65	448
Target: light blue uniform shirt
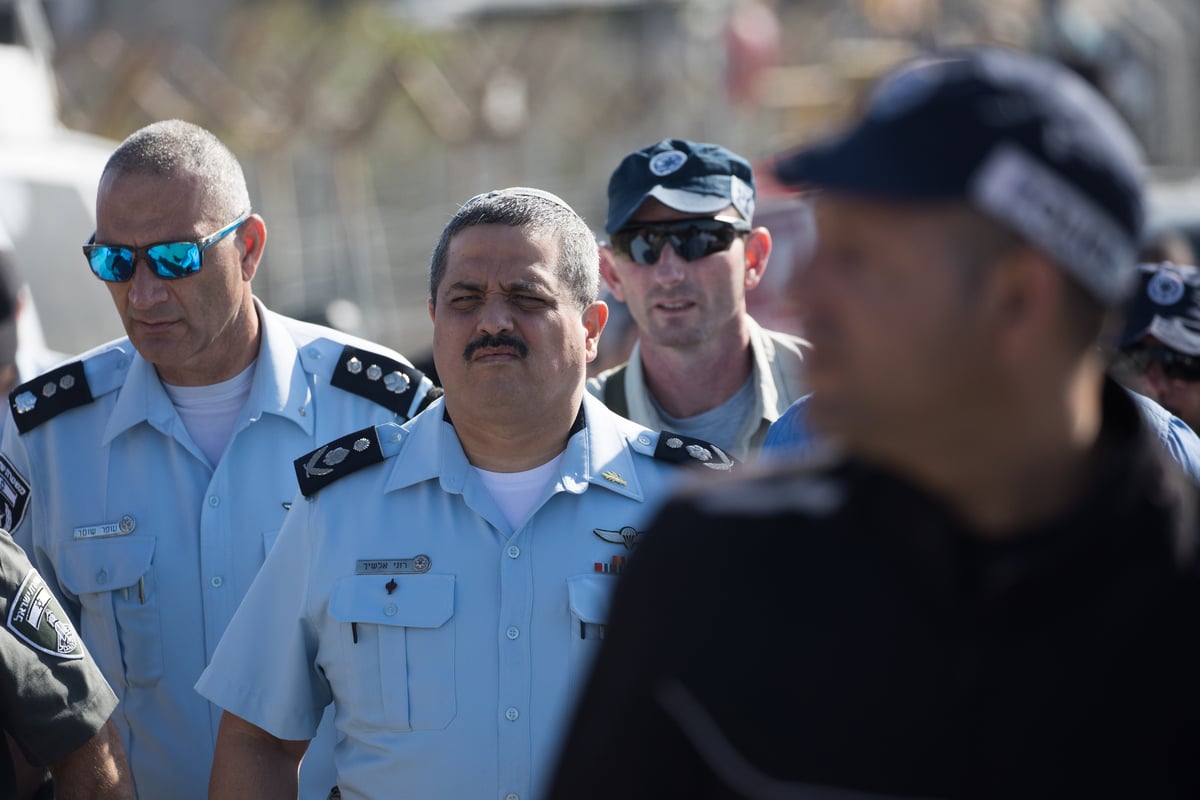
152	598
454	682
789	436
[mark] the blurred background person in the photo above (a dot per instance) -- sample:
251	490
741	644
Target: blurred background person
1159	351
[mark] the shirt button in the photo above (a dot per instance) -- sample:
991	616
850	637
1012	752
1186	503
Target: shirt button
643	439
214	501
390	609
313	352
216	581
513	551
102	577
513	632
512	714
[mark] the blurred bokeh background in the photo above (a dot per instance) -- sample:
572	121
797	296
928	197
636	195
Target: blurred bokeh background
363	124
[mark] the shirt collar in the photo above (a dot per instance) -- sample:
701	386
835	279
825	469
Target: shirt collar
596	454
279	386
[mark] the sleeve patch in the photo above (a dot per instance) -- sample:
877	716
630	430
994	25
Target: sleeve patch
36	618
14	496
339	458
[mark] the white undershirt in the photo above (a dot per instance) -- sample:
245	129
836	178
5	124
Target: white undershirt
516	492
209	412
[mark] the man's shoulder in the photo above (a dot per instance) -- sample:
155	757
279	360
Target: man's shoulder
74	384
661	447
781	342
361	367
373	445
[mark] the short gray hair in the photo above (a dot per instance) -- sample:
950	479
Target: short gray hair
536	211
174	148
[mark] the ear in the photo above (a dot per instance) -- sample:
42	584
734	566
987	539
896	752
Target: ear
432	317
595	317
1023	303
758	250
608	271
251	238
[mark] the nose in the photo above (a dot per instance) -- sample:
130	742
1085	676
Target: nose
670	267
145	287
495	315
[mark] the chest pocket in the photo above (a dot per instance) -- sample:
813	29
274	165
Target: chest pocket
399	674
588	597
114	580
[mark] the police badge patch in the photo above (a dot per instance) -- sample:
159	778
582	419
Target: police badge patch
14	496
36	618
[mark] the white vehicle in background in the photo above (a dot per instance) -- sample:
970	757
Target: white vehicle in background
48	177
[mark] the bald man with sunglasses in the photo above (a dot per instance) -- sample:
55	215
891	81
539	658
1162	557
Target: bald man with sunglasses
682	253
148	479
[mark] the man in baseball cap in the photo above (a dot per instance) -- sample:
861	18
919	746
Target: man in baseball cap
682	253
993	591
1159	352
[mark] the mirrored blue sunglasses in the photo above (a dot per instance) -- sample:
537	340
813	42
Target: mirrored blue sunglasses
692	239
170	260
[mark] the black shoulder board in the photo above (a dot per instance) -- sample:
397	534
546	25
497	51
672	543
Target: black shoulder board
48	395
686	450
380	379
339	458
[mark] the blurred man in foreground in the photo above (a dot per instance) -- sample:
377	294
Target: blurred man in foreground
994	592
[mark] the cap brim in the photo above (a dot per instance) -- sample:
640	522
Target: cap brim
1174	334
867	162
677	199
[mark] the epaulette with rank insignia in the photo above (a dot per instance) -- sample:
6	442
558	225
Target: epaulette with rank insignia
681	449
684	450
383	380
48	395
339	458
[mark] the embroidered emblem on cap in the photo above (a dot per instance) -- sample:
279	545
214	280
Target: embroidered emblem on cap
628	536
1165	288
38	620
668	162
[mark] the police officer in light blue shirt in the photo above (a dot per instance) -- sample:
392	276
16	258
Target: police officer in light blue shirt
148	479
445	582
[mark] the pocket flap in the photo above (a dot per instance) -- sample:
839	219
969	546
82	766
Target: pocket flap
102	565
589	596
417	601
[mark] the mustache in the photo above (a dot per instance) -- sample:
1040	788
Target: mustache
495	340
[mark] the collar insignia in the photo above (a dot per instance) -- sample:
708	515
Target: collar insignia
613	477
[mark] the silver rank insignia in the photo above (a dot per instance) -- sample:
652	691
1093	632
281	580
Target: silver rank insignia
707	454
627	536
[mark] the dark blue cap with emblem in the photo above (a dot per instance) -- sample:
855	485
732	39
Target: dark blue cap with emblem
1021	139
692	177
1166	306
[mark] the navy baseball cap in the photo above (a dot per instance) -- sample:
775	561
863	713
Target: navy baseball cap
1166	306
692	177
1021	139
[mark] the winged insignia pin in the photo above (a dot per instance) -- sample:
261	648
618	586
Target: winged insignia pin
627	536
